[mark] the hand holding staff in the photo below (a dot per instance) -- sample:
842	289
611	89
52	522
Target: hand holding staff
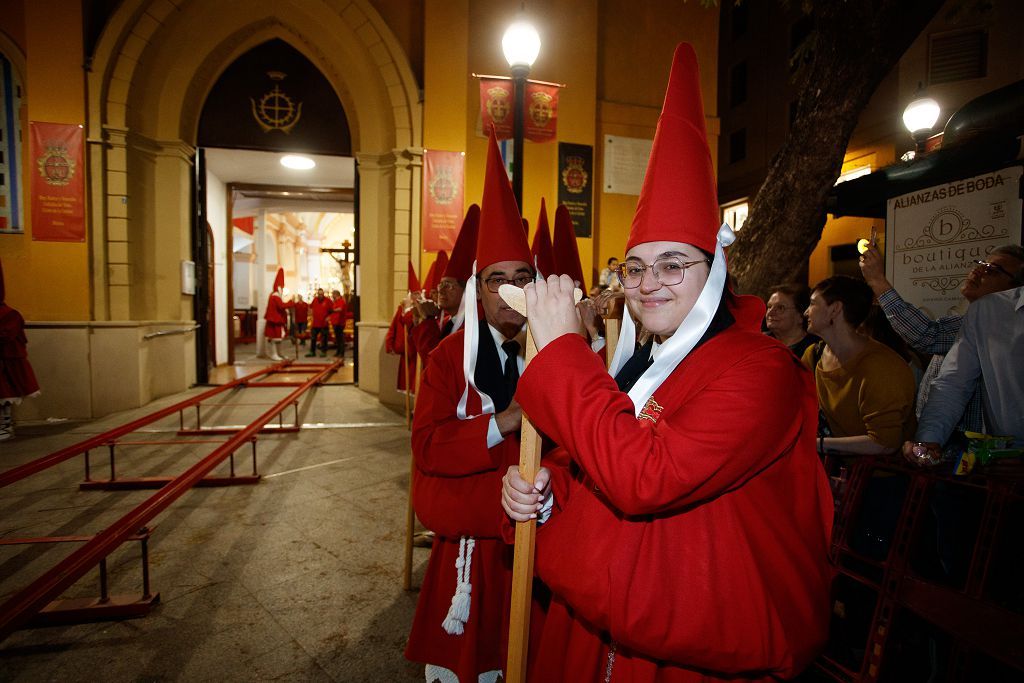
552	313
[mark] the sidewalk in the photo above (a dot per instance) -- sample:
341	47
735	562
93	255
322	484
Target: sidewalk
297	578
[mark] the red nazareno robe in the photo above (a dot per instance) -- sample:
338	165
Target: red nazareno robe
17	379
276	316
395	342
457	492
694	537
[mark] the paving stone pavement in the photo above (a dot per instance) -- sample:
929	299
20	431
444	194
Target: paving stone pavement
297	578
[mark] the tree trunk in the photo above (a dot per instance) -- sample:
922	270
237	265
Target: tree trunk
854	44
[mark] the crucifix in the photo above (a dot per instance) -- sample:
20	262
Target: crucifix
341	256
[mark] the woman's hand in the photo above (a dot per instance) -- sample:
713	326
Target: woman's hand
551	309
521	499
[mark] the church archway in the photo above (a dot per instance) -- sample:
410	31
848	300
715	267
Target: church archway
150	74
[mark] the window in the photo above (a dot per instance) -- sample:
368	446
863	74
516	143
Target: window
738	146
957	56
738	84
11	214
735	214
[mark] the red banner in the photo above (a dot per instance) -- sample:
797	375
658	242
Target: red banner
541	122
58	182
496	101
245	224
443	176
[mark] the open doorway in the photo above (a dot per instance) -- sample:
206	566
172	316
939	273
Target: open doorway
265	222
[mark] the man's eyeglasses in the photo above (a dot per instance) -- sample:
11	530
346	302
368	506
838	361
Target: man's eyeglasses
667	272
493	283
990	268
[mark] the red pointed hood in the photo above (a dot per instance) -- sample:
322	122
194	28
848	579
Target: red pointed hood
414	282
542	248
567	256
678	200
436	268
501	235
279	280
460	265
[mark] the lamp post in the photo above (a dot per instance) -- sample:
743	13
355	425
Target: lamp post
919	117
521	45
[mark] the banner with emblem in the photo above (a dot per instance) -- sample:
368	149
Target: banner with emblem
58	182
575	184
443	176
541	122
496	101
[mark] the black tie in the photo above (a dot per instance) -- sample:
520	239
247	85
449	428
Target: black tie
446	329
511	348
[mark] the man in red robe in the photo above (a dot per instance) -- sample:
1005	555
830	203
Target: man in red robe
17	380
300	309
320	307
447	316
465	434
339	311
685	520
276	316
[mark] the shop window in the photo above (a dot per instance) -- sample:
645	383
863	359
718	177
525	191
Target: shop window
11	212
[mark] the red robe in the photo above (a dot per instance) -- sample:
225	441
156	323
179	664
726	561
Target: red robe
395	343
301	312
321	308
339	309
17	380
276	316
457	492
694	537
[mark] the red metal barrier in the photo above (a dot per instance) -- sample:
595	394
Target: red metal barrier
18	473
27	602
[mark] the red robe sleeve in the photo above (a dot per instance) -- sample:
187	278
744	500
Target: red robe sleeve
394	340
639	468
425	337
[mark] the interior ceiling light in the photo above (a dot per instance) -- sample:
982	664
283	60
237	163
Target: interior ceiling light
297	162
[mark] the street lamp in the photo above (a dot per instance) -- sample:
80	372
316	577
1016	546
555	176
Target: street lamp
919	117
521	45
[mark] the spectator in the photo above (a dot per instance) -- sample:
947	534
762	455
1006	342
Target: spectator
866	396
17	380
608	279
1001	271
321	309
785	318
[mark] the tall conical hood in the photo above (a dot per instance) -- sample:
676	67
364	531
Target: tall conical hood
567	255
414	282
436	268
460	265
501	227
678	199
279	280
542	249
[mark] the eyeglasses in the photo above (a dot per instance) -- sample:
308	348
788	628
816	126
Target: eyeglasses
990	268
493	283
667	272
446	285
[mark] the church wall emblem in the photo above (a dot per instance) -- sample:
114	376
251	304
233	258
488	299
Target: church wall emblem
56	166
275	109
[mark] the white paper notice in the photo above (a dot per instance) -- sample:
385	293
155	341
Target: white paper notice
936	234
625	161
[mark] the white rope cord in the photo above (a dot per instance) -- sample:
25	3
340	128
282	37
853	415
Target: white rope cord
458	613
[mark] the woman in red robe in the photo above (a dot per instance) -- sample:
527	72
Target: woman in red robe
686	517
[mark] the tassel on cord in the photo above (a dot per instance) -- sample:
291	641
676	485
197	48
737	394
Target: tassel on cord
458	613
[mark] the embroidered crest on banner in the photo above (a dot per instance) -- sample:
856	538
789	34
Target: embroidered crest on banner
497	104
441	187
651	411
56	166
540	108
574	175
275	110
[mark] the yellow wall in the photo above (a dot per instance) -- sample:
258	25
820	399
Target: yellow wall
47	280
614	58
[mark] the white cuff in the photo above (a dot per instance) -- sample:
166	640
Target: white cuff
597	344
494	436
545	511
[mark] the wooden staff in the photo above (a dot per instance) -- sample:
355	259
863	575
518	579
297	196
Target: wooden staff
611	338
526	532
410	513
408	381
